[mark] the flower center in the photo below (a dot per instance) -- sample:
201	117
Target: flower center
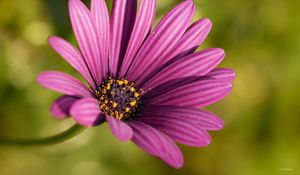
118	98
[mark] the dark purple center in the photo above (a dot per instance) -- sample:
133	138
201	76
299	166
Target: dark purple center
118	98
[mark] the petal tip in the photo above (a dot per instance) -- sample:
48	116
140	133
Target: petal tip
188	4
84	116
71	2
57	113
218	51
40	77
179	165
203	24
125	139
221	126
220	123
208	141
206	24
52	39
192	6
233	74
206	21
230	73
120	129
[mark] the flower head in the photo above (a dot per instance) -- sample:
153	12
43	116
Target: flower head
148	85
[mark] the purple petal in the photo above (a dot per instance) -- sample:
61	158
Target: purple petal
198	94
204	119
180	130
86	36
86	112
122	21
170	85
141	29
191	39
197	64
187	44
63	83
161	41
224	74
60	108
119	128
100	16
156	143
72	56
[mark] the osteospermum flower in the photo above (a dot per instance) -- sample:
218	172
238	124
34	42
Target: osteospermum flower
147	85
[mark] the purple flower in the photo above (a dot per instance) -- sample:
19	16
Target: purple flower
147	85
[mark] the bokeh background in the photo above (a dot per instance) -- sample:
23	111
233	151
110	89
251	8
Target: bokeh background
262	115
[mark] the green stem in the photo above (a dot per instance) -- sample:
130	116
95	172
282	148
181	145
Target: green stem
58	138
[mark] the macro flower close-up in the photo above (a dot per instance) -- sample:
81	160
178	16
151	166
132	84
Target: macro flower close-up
148	85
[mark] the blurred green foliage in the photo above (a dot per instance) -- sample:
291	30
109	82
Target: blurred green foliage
262	115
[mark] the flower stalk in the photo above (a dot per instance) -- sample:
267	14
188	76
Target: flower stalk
55	139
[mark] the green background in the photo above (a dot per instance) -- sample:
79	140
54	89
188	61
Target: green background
262	115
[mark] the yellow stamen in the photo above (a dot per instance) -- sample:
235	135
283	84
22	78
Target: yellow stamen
132	89
136	94
102	106
133	103
119	117
120	82
108	86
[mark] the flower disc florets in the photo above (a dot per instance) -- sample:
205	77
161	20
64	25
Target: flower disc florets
118	98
